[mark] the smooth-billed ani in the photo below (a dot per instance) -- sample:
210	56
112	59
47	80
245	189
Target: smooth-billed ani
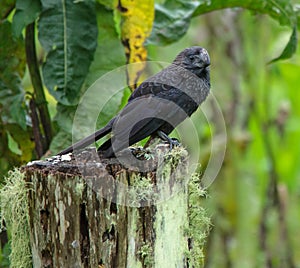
158	105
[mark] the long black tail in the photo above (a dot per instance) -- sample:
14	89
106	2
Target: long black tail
89	139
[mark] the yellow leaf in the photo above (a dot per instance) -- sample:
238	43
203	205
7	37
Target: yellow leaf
136	24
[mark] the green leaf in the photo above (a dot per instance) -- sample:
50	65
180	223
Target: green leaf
17	110
172	19
126	94
12	104
84	121
68	32
95	110
290	48
110	109
61	140
107	3
64	120
12	53
6	7
110	53
109	56
297	11
24	140
281	10
13	145
27	11
64	117
12	65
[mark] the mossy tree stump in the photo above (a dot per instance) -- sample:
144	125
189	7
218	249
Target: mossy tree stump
91	212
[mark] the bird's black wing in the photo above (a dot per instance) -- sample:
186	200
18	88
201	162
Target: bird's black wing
144	116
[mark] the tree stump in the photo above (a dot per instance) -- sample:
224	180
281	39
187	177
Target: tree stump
85	211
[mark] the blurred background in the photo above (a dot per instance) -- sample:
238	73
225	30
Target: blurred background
254	202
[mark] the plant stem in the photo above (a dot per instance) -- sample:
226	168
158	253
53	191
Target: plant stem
38	138
40	99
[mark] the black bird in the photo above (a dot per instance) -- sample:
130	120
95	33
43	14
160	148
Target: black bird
158	105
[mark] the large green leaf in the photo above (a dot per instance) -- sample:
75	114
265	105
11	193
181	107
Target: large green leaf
27	11
12	65
297	10
109	55
281	10
64	119
172	18
15	143
290	48
68	32
60	141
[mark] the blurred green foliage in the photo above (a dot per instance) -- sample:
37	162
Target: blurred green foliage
254	201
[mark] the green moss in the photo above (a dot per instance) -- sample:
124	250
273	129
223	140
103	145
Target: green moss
172	163
146	253
141	191
14	209
176	156
199	223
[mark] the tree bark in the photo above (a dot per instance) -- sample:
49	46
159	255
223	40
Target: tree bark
91	212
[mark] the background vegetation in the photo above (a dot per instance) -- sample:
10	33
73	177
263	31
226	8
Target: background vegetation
52	51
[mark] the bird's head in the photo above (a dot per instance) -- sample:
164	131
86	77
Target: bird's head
195	59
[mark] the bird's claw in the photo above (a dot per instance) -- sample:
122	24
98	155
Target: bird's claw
173	142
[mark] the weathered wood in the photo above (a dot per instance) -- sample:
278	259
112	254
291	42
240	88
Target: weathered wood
81	216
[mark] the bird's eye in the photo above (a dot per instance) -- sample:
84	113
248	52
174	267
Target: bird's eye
191	57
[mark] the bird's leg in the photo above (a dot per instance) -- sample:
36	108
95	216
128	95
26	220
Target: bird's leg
172	142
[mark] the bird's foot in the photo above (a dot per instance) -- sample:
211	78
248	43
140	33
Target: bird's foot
173	142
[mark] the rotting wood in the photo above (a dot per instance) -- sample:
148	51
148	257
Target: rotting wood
75	222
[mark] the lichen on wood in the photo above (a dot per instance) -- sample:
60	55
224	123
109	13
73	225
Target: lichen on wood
14	212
